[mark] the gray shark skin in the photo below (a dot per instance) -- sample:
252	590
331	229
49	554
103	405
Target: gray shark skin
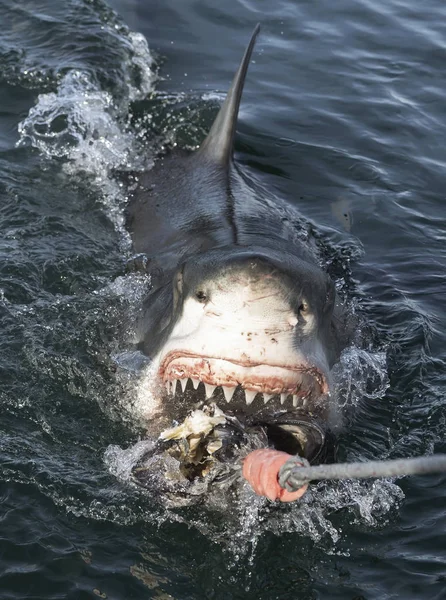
238	299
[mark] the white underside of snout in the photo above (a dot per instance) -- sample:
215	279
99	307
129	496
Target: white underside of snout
243	335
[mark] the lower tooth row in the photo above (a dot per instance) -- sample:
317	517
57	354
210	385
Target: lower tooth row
228	392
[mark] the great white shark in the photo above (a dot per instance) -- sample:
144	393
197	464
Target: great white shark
240	310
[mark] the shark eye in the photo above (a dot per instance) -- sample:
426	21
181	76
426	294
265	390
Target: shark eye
201	296
303	308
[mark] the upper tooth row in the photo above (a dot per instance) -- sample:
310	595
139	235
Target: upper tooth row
229	392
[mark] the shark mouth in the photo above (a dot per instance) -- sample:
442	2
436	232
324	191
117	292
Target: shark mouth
294	386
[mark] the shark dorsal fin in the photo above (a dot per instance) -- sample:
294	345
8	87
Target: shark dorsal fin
218	145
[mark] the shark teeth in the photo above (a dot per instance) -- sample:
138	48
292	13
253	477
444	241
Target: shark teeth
249	396
210	389
301	401
228	392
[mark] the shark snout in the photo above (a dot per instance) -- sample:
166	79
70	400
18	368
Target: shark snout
239	331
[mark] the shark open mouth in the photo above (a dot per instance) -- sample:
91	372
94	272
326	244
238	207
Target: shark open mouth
253	405
296	386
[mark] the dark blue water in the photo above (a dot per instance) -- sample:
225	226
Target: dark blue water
344	114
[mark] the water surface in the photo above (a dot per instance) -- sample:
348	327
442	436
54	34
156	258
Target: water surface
343	115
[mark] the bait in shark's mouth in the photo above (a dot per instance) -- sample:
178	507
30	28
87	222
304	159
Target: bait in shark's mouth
240	315
212	444
197	445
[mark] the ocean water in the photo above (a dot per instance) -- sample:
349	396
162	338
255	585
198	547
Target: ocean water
344	116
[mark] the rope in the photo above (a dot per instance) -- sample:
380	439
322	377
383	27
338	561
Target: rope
293	476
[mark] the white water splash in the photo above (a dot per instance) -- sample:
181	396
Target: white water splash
74	122
88	128
131	287
121	462
360	375
323	514
142	62
77	123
